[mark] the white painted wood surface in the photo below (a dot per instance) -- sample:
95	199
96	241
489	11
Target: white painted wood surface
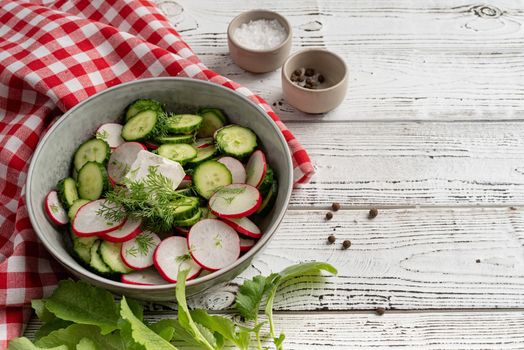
431	133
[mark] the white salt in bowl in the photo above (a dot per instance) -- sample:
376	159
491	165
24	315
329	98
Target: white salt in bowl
258	60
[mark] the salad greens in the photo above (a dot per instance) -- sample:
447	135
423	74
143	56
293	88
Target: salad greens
78	316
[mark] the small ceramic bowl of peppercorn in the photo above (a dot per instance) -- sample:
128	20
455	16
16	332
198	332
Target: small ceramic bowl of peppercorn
314	80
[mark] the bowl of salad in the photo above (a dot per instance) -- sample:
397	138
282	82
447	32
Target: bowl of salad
157	175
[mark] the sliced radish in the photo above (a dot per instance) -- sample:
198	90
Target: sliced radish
54	209
88	222
244	226
203	143
137	253
186	182
147	277
236	168
128	231
121	160
110	133
235	201
172	255
213	244
246	244
256	168
150	145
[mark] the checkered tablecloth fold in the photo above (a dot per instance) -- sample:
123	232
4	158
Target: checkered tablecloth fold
54	54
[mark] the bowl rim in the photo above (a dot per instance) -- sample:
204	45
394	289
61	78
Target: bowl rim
283	19
307	51
195	282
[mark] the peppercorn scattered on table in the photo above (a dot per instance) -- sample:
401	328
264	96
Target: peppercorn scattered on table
420	174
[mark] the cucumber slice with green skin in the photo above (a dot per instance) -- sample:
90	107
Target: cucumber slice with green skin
141	105
183	123
82	247
67	193
267	182
209	176
178	152
185	208
236	141
269	200
96	261
110	253
92	181
74	208
176	139
144	125
203	154
94	150
213	119
190	221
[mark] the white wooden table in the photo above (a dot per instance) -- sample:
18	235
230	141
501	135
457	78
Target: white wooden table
431	133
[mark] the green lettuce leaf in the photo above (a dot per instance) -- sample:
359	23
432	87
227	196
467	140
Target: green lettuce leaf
41	311
51	326
26	344
139	332
164	328
250	295
223	326
72	335
86	344
83	303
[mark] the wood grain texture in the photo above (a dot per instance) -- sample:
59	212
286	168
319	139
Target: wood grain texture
446	60
407	164
439	330
403	260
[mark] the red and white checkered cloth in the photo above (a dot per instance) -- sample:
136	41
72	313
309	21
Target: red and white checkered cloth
54	54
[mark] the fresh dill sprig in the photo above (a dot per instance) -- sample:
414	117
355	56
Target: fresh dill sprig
152	199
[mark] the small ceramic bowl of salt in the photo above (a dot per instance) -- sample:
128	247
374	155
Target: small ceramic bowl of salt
259	40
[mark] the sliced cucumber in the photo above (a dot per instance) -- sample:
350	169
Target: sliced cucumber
67	193
179	152
82	247
209	176
204	154
185	207
141	105
92	181
184	123
267	182
96	261
143	126
191	220
94	150
269	199
74	208
236	141
110	253
213	119
177	139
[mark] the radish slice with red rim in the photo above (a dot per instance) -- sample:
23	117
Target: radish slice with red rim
54	209
147	277
110	133
203	143
89	221
121	160
172	255
244	226
235	201
237	170
246	244
256	168
182	230
186	182
213	244
138	252
128	231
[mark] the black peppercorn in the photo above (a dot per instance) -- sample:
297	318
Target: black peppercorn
331	239
335	206
373	213
346	244
321	78
310	72
380	311
297	72
329	215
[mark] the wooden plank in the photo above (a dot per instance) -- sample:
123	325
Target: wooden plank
407	164
403	260
451	61
439	330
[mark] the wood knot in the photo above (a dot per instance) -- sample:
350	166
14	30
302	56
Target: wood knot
312	26
486	11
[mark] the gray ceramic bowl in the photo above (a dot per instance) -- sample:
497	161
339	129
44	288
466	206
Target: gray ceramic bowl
258	61
52	160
